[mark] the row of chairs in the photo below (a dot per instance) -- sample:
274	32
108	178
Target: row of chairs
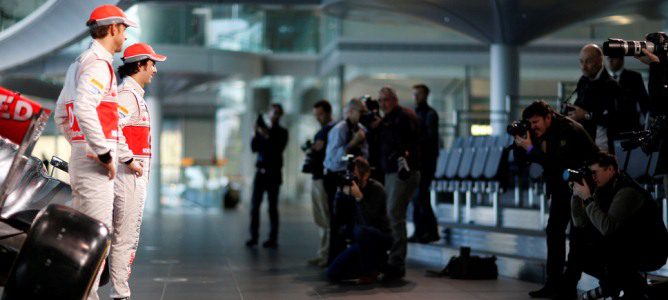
473	165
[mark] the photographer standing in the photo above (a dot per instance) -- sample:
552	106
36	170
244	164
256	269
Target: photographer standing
347	137
322	111
556	143
600	106
624	232
269	143
400	160
426	227
361	209
658	94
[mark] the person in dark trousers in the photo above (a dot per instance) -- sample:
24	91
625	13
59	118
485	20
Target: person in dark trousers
556	143
400	160
361	207
426	227
633	86
600	106
322	111
624	231
268	142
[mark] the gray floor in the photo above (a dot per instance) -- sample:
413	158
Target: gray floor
191	253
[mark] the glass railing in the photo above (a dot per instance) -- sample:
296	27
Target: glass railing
11	12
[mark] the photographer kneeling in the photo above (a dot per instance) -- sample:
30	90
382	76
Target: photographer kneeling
624	231
361	208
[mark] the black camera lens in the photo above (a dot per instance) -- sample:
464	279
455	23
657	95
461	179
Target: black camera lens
619	48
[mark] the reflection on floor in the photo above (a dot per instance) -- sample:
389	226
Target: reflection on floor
191	253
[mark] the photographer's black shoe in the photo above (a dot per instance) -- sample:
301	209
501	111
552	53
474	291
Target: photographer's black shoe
270	244
393	273
545	292
413	239
251	243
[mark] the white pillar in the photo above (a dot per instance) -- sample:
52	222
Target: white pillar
504	81
155	182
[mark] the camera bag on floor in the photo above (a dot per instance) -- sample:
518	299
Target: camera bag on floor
466	266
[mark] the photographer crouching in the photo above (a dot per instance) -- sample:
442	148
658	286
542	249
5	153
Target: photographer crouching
360	207
622	230
556	143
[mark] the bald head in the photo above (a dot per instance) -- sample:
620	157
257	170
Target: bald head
591	60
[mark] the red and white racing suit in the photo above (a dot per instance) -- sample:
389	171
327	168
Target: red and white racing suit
87	114
129	189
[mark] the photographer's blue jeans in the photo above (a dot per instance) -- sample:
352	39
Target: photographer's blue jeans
399	195
366	256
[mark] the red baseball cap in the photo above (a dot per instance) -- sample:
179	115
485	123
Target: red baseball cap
109	14
140	51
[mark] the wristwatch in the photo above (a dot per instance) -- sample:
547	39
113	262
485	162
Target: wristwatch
586	202
588	116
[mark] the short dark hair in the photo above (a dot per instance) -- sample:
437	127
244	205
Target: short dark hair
604	160
278	106
129	69
362	165
324	105
537	108
422	87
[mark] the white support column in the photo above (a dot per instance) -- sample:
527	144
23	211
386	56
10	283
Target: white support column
504	81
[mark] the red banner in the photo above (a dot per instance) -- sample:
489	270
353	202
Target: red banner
15	114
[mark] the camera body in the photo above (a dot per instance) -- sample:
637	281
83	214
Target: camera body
349	176
373	110
656	42
580	176
518	127
307	167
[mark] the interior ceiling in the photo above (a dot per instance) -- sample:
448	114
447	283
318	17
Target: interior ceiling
514	22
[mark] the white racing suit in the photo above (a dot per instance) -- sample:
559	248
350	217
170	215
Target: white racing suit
129	189
87	114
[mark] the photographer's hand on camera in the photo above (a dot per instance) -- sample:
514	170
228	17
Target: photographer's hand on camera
577	113
358	138
524	142
356	192
582	190
648	58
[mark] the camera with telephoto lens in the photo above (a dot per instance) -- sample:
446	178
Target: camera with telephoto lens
349	176
580	176
648	140
656	42
307	167
519	127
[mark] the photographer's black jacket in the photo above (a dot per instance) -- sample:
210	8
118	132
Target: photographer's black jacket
605	100
623	215
270	151
429	143
399	134
658	89
370	211
567	146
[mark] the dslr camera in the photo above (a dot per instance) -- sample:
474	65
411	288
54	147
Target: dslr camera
349	176
307	167
518	127
373	110
580	176
656	42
